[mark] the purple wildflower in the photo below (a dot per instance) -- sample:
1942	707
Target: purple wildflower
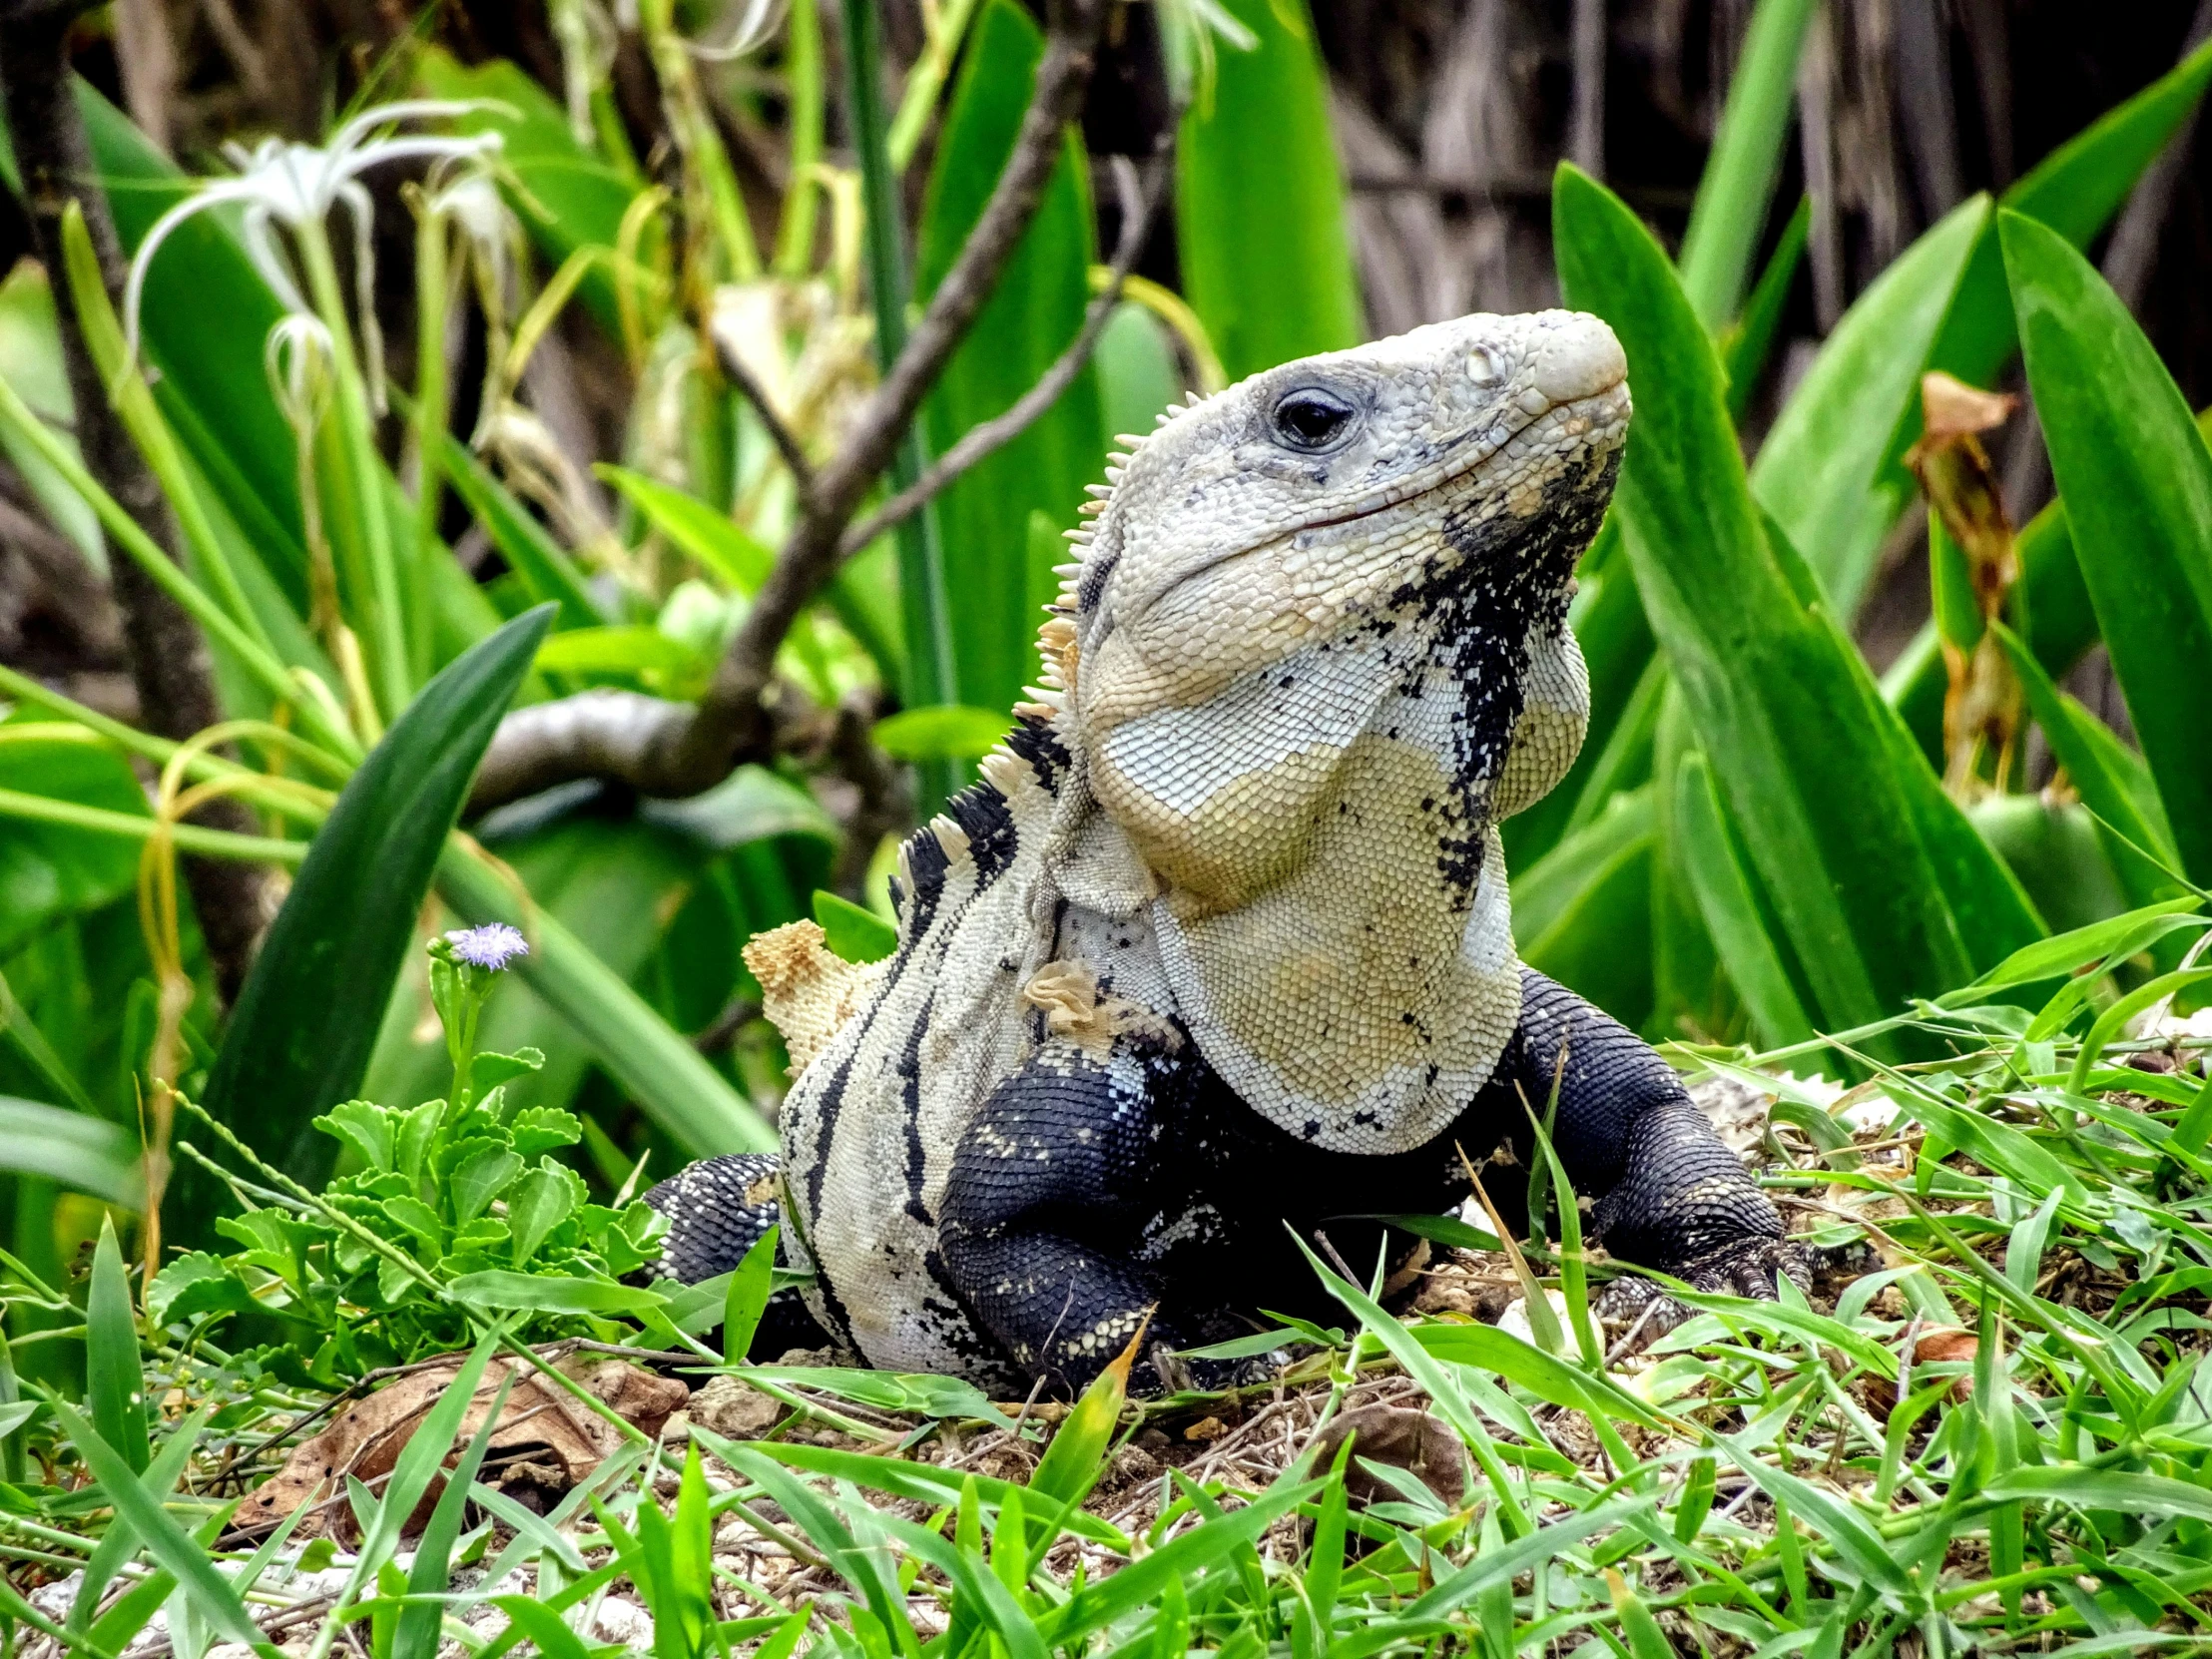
491	948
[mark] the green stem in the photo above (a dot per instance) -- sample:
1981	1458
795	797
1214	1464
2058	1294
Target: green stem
171	579
433	294
932	668
359	516
189	837
795	237
670	1080
133	400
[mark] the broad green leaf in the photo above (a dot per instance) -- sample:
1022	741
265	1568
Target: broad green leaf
2111	779
944	731
298	1041
211	383
1746	344
1137	376
540	1202
1071	1464
1582	912
1780	700
2075	190
1034	313
629	648
2136	477
1260	213
496	1290
717	542
856	935
49	871
83	1153
481	1178
1738	183
115	1387
750	1288
700	530
1708	848
1819	469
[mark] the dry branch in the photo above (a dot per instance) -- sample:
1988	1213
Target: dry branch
169	658
675	748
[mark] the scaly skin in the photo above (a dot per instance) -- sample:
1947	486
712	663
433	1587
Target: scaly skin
1223	939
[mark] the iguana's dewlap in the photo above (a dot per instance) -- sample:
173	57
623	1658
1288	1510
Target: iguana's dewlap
1234	880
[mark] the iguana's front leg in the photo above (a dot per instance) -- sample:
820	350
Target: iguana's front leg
1670	1194
1050	1188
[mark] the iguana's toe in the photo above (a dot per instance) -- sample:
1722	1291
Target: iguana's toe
1746	1268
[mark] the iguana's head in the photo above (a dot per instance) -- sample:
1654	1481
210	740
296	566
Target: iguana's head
1315	646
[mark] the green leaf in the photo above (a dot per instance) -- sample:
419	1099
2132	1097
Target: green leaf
1827	470
498	1292
943	731
298	1043
856	935
115	1387
1032	315
2138	482
1896	895
1554	1381
31	361
541	565
750	1288
1582	912
2122	936
365	1127
1260	211
2091	1489
1747	345
50	870
1709	850
1848	1532
2112	777
1137	372
479	1179
212	1595
1738	182
540	1202
83	1153
418	1629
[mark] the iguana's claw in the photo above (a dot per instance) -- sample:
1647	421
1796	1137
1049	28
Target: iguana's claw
1747	1268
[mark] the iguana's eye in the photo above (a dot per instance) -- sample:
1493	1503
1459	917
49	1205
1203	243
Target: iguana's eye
1311	419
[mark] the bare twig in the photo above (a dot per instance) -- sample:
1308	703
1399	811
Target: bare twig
169	658
993	435
674	748
739	374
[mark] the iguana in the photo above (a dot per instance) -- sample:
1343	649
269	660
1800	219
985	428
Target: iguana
1221	941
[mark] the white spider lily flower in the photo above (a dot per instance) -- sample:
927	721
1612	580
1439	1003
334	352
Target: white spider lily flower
297	185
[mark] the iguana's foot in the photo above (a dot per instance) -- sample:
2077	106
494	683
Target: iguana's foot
1746	1266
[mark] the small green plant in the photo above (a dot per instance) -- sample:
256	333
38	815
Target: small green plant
455	1206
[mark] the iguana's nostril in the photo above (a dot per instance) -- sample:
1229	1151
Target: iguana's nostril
1580	360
